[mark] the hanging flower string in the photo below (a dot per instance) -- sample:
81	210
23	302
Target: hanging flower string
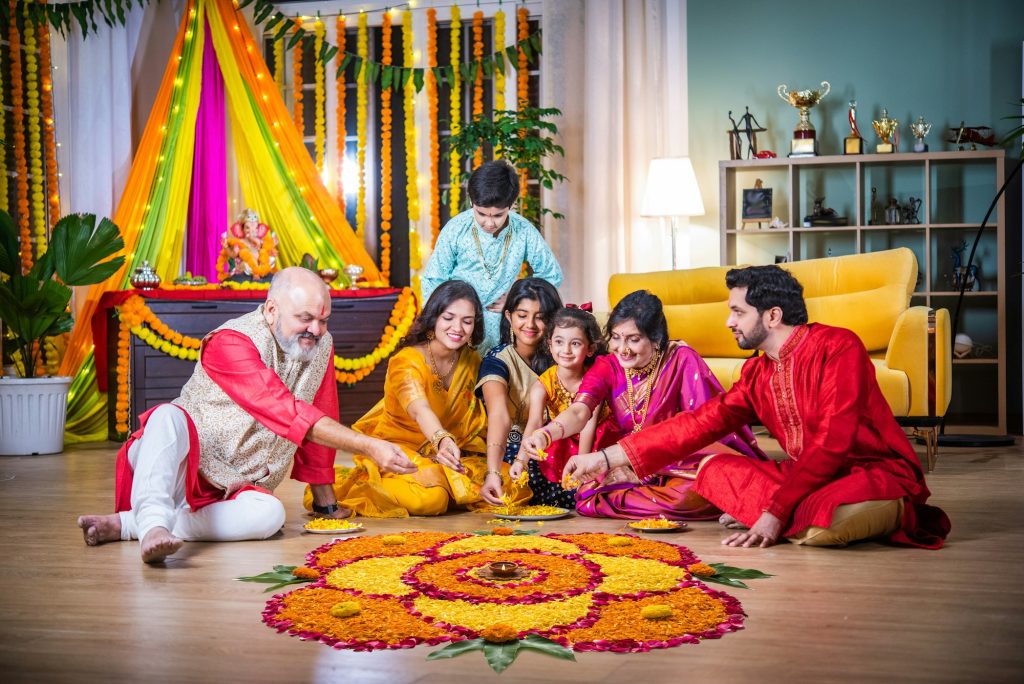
411	174
35	137
4	201
385	155
499	74
342	133
297	86
49	136
18	117
435	189
279	65
135	318
362	46
320	95
478	82
523	82
454	173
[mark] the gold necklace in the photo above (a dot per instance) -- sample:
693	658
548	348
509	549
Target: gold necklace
563	396
650	371
441	383
491	272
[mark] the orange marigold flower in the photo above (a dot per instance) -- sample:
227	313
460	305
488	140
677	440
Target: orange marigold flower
656	612
305	573
392	539
502	531
702	570
499	633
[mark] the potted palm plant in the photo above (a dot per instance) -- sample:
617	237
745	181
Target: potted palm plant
34	306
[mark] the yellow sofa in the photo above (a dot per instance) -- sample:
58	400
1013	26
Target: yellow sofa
867	293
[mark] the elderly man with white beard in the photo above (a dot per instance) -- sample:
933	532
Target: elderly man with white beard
261	403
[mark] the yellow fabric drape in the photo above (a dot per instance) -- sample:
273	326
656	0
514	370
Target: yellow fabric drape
433	488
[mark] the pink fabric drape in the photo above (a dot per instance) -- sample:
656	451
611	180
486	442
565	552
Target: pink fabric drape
208	208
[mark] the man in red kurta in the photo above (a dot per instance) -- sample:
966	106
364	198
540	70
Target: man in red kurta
814	388
261	404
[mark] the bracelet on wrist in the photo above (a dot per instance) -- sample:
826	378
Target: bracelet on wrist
438	437
561	428
544	431
606	461
493	472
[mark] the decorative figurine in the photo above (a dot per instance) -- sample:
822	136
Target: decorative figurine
749	127
963	345
888	131
804	142
248	250
920	129
975	135
854	142
893	215
873	221
910	212
963	276
822	216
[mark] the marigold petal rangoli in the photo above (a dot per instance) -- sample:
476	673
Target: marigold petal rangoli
585	591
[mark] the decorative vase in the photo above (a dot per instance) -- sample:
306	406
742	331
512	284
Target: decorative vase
145	278
32	414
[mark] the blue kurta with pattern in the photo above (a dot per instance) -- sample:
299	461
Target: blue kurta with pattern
456	257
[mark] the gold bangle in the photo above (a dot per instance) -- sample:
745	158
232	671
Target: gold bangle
561	428
493	472
439	436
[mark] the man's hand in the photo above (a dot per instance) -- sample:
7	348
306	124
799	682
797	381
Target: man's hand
449	455
583	468
390	458
764	533
498	304
491	489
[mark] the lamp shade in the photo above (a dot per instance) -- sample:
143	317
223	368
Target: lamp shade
671	189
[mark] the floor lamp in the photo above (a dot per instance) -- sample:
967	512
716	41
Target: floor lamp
671	191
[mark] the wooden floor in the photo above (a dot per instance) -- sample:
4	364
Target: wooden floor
870	613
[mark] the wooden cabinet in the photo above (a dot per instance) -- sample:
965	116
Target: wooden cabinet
954	189
356	324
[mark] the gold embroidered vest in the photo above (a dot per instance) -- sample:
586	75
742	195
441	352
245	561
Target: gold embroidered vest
233	445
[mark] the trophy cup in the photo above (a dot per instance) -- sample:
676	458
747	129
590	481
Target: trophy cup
885	129
920	129
854	143
804	143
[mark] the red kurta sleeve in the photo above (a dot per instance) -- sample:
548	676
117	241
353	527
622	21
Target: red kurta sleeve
314	463
233	362
659	445
598	384
839	401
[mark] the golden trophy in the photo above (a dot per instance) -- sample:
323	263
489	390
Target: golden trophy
920	129
854	143
886	129
804	143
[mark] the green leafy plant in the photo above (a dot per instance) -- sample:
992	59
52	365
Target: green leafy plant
280	576
34	305
500	655
732	576
525	139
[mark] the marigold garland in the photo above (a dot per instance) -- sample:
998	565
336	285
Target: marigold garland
279	65
342	134
4	201
499	74
455	166
18	117
35	137
49	136
297	86
385	155
418	593
523	82
138	319
478	82
431	83
362	103
412	191
320	97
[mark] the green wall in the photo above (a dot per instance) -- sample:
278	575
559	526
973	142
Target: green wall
948	61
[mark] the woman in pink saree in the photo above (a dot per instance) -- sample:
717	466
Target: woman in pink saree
646	379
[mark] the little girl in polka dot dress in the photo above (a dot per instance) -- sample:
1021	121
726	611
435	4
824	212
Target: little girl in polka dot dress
574	339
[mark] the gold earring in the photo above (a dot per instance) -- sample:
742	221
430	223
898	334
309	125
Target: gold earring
430	335
513	336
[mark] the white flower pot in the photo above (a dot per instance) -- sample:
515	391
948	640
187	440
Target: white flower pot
32	413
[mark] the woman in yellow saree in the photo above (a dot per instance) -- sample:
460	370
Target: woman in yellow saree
430	411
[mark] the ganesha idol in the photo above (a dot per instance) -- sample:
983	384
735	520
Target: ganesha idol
248	250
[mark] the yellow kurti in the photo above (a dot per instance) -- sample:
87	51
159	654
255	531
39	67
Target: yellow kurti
433	488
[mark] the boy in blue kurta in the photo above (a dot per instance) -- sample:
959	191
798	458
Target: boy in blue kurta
487	244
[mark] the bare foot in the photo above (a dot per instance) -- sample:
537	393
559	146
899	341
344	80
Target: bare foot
158	544
100	529
731	523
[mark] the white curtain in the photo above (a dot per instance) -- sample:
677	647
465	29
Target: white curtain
617	70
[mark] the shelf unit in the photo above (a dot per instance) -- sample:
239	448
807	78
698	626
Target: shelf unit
955	189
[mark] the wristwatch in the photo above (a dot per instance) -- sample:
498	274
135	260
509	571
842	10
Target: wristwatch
325	510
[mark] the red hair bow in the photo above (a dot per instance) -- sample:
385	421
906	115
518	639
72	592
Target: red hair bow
585	306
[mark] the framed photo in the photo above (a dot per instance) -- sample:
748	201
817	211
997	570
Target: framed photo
757	205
